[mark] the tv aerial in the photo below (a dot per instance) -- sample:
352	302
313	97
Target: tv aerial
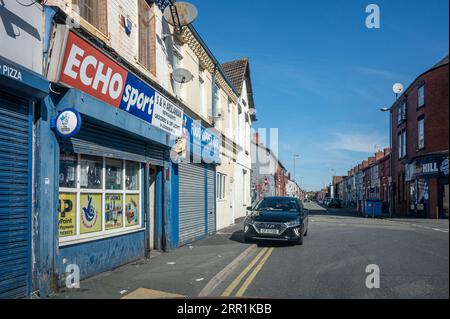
179	15
181	75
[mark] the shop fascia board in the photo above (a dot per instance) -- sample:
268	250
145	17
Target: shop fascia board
116	117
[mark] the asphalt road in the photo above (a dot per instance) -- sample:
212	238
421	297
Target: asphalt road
411	255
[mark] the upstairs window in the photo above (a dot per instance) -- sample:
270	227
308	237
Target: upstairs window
421	96
401	112
147	37
421	133
94	12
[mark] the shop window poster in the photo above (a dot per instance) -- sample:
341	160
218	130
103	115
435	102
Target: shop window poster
131	209
66	214
91	209
113	211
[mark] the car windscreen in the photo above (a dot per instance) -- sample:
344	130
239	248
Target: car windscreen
278	204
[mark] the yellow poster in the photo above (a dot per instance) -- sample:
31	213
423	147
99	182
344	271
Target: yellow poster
67	207
132	209
90	213
113	211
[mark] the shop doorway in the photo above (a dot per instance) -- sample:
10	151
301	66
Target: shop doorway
156	216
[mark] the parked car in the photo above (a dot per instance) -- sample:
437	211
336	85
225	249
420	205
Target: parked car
277	218
326	201
334	203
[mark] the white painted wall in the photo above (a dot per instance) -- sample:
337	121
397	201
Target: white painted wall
21	34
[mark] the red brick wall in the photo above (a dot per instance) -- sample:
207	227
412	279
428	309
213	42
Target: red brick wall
436	114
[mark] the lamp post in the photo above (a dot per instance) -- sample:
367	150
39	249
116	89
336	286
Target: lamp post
295	156
391	197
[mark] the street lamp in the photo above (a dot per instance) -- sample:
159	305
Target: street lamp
391	197
295	156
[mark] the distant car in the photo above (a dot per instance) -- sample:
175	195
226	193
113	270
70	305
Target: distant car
277	218
334	203
326	201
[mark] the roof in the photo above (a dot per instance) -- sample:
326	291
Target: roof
440	63
235	71
238	71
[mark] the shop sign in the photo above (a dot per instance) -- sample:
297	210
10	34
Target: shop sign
202	142
68	123
433	166
66	214
86	68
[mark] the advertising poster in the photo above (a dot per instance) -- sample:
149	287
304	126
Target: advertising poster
67	207
113	211
131	209
90	213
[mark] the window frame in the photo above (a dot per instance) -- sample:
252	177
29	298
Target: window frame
103	33
103	233
148	65
421	97
419	121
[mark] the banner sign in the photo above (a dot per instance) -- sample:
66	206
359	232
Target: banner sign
202	143
430	166
86	68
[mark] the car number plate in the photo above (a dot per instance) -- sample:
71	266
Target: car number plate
269	231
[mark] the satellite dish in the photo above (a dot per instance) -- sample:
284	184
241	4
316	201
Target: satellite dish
181	75
186	11
397	88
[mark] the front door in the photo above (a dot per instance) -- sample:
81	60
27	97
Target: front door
443	199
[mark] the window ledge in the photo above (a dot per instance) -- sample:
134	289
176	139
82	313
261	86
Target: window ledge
91	238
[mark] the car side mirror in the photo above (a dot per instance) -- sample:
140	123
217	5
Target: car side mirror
249	207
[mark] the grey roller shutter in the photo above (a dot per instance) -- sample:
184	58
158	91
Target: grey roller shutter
211	199
15	198
192	219
95	139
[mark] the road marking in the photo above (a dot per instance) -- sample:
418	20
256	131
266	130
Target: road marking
238	279
441	230
252	276
224	273
144	293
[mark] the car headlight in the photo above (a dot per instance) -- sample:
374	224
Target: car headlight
249	221
292	223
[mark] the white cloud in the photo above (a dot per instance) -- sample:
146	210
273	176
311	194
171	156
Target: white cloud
357	142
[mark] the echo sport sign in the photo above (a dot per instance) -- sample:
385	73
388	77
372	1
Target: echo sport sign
86	68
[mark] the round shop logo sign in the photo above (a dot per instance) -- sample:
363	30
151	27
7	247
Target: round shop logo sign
68	123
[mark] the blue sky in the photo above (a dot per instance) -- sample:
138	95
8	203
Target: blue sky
319	75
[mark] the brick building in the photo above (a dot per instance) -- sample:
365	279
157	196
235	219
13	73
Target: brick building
420	145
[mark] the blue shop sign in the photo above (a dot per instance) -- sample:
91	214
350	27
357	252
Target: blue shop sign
201	142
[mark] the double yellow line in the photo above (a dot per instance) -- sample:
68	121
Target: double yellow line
262	257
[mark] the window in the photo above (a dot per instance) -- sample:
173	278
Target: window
402	144
201	86
94	12
401	112
105	198
421	96
421	133
220	187
147	37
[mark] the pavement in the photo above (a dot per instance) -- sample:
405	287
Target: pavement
411	256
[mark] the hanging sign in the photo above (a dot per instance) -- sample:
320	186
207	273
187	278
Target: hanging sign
88	69
68	123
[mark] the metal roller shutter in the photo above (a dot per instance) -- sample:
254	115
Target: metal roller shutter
192	221
211	199
94	139
15	197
